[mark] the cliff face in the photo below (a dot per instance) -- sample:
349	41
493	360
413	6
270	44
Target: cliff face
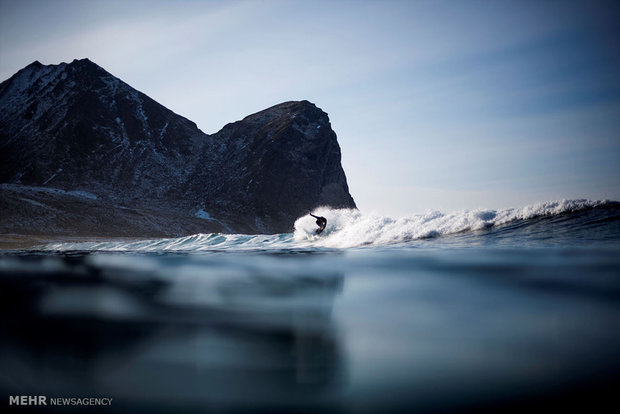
74	129
274	166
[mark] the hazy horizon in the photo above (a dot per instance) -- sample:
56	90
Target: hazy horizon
437	105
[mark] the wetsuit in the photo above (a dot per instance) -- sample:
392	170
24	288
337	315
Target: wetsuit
321	222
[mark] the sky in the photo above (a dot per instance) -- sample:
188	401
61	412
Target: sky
437	105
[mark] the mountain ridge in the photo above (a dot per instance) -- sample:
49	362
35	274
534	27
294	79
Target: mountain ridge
75	126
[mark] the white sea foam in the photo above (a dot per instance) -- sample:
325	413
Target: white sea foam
345	228
195	242
351	228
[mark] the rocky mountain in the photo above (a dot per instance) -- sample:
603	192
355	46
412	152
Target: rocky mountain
82	152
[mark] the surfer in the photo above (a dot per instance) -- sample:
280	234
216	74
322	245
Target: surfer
321	222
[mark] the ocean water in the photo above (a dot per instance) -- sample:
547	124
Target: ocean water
470	311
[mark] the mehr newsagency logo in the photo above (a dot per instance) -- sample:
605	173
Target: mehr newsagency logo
44	400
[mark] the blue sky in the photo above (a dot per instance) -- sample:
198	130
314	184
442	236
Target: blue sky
438	105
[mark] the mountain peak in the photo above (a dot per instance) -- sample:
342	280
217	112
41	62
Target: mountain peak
83	62
35	64
290	110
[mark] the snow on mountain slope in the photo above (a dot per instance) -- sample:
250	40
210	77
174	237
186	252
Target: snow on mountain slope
76	127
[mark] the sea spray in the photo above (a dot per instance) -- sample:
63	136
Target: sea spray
350	228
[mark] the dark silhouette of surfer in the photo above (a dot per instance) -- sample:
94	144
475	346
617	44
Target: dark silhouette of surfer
321	222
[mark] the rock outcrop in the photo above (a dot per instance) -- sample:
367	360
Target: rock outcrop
79	146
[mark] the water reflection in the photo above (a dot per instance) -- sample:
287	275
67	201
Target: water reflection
369	330
168	332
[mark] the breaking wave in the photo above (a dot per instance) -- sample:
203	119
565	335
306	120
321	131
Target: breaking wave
351	228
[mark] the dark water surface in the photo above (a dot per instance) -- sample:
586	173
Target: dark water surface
520	316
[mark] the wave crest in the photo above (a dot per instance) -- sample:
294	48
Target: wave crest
350	228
